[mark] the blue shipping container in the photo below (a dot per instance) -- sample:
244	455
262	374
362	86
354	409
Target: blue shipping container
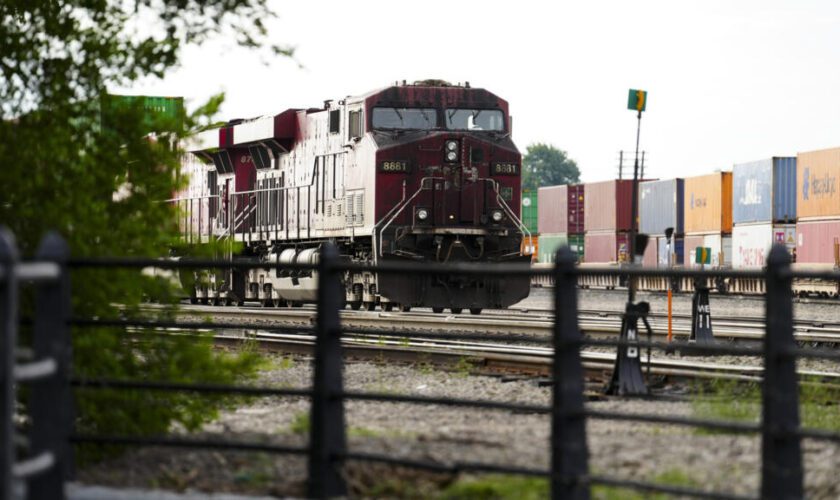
661	206
764	191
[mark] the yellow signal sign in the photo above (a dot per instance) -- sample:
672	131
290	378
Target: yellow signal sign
703	255
637	100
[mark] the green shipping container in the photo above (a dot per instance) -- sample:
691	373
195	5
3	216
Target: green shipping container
152	106
549	243
529	211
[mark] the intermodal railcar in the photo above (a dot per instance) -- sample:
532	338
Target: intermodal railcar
414	172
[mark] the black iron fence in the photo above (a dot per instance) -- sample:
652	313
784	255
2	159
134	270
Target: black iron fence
46	460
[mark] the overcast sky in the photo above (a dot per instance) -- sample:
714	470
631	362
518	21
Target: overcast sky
728	81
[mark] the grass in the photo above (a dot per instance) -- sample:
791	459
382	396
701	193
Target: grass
727	400
499	487
258	473
300	424
282	362
730	400
504	487
464	367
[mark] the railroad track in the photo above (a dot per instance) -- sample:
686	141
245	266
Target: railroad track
495	358
382	340
526	322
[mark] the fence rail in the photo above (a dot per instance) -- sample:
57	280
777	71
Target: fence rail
49	461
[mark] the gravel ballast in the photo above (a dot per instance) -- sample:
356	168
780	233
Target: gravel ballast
449	435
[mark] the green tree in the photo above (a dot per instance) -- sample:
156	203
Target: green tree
545	165
60	169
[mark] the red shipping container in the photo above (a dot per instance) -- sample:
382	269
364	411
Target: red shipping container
651	255
605	246
551	209
607	205
575	208
560	209
815	241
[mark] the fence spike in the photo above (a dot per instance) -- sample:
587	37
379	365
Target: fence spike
569	454
781	453
51	405
8	340
327	439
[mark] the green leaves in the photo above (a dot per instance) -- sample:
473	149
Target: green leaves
545	165
73	162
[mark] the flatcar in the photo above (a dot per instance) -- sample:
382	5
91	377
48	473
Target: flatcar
422	172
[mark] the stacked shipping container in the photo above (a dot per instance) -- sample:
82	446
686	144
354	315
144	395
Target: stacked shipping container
529	215
818	206
661	207
708	217
763	209
560	219
607	207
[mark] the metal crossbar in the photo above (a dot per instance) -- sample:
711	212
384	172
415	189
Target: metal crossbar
327	452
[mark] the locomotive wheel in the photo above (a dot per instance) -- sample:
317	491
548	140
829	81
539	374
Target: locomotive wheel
370	306
437	310
405	308
456	310
386	306
193	300
356	305
205	301
267	303
475	310
297	304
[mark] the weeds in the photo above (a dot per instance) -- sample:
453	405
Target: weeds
464	367
503	487
731	400
300	424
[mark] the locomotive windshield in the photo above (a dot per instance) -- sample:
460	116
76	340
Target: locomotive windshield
475	119
404	118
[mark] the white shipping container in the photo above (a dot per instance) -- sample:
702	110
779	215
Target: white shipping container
751	243
720	245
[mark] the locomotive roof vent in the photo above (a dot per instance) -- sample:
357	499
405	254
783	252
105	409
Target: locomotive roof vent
431	83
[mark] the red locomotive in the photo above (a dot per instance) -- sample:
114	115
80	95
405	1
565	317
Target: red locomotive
413	172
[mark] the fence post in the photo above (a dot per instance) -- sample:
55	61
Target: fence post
51	402
781	455
8	339
569	454
327	440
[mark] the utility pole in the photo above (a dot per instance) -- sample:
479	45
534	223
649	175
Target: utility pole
637	100
627	378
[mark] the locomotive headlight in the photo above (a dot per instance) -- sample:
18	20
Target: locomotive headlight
422	214
497	215
451	148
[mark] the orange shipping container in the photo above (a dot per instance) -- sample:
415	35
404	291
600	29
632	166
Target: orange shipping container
816	180
708	203
530	247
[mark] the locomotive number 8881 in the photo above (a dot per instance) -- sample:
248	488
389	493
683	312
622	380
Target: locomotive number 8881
413	172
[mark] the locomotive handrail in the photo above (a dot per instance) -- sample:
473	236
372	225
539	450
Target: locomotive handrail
376	226
404	203
523	229
401	205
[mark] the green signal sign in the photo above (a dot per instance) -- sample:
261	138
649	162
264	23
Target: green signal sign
703	255
637	100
